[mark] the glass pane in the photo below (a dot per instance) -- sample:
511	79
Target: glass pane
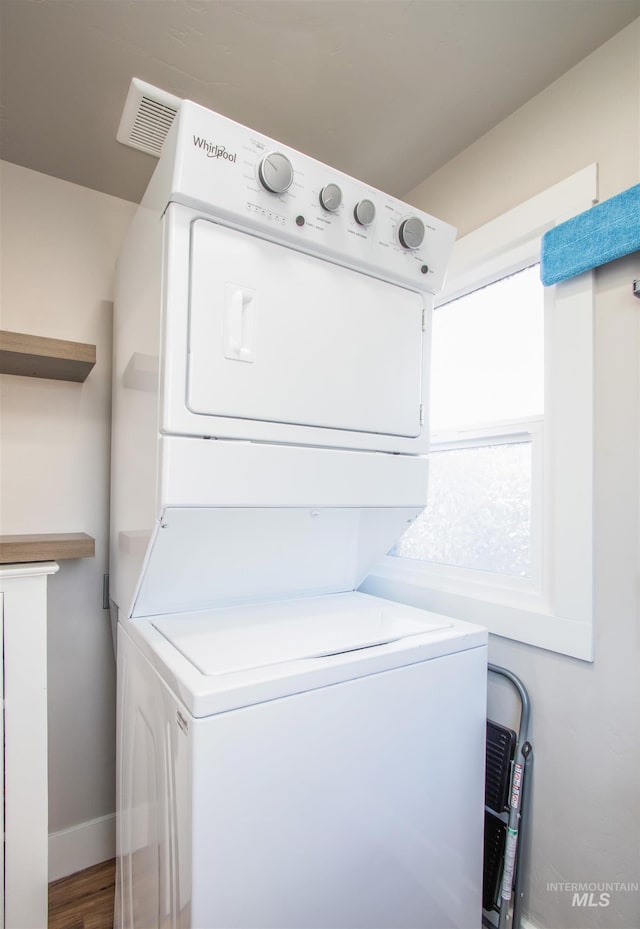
479	511
488	354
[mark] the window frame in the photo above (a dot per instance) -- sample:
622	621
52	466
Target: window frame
555	610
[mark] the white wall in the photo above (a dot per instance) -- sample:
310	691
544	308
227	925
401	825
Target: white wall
586	717
59	243
591	114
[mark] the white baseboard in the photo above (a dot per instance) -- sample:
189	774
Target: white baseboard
81	846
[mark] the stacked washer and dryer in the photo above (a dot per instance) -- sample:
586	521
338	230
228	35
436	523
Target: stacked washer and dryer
292	753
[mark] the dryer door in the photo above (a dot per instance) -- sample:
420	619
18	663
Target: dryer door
277	336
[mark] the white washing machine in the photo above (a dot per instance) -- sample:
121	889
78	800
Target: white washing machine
291	753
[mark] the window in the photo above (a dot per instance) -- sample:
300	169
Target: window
487	402
506	538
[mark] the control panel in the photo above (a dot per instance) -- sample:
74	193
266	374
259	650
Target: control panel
250	181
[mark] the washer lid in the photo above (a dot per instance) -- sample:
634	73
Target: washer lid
241	639
238	656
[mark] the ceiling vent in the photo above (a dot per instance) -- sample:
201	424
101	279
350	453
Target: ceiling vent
147	117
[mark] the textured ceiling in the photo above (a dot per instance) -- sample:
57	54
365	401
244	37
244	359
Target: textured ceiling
386	90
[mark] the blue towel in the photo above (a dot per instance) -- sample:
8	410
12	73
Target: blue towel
593	238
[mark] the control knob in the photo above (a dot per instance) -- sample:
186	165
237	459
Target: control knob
276	172
411	232
330	197
364	212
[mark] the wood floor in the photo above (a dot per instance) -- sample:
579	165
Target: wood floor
83	900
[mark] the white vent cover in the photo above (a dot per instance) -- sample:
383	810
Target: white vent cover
147	117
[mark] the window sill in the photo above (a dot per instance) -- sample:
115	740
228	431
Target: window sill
517	614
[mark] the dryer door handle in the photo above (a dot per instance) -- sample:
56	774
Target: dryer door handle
239	323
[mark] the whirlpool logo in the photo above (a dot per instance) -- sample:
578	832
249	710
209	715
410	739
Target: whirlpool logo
212	150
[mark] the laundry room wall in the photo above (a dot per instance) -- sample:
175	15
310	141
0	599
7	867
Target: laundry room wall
585	809
59	243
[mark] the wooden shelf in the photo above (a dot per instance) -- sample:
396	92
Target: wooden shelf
19	549
36	356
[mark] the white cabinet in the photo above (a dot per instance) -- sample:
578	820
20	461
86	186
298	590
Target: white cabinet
23	614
